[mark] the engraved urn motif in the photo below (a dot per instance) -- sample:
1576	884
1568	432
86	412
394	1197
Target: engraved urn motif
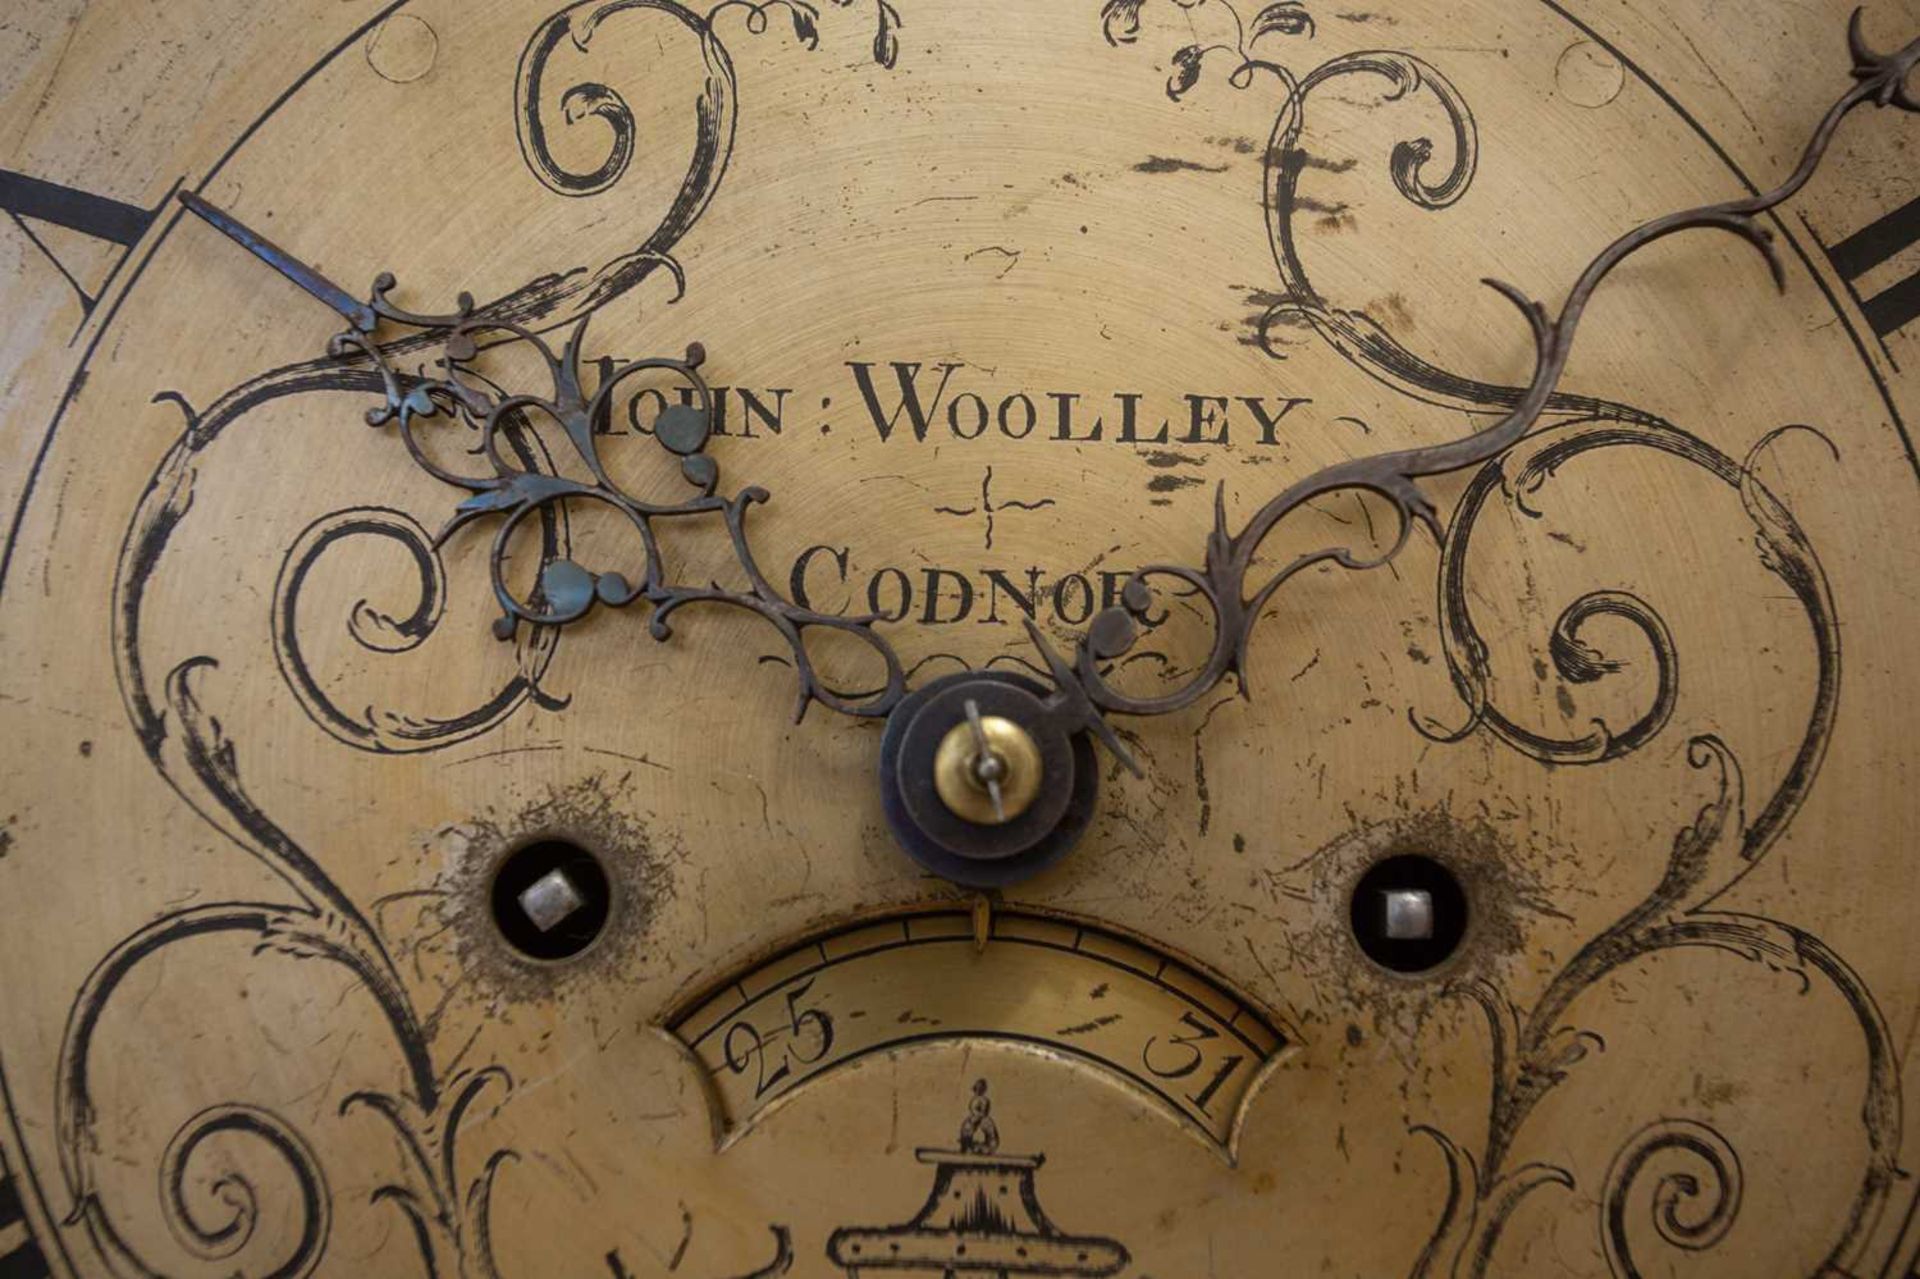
982	1218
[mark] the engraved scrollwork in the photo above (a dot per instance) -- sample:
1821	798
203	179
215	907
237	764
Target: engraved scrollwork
1533	1053
308	931
1688	1212
450	1218
381	632
575	27
168	501
1229	556
1082	695
184	738
1785	551
234	1193
1536	1049
1353	333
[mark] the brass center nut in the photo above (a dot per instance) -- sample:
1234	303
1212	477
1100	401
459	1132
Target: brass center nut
961	770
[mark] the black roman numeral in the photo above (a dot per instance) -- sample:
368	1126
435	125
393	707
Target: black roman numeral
20	1256
1897	305
29	200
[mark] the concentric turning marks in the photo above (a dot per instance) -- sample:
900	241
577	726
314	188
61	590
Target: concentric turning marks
551	899
981	784
1409	913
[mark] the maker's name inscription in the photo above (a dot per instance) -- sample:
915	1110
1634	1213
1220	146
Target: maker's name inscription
915	401
907	402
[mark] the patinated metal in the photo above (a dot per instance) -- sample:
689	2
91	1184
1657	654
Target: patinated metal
523	485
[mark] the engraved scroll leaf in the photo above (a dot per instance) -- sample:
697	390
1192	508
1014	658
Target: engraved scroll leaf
217	1223
544	116
162	551
214	1213
379	631
551	105
1431	176
239	1181
243	1181
1783	550
556	298
1695	1193
1538	1049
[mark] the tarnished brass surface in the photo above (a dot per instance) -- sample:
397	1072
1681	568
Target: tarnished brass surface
999	303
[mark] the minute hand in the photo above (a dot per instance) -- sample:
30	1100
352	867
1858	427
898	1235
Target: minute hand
358	314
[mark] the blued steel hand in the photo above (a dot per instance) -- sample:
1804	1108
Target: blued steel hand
988	767
356	313
1082	695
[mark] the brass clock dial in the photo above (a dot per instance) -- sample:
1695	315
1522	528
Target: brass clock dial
1305	764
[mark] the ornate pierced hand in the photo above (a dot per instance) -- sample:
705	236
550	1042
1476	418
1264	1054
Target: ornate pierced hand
934	750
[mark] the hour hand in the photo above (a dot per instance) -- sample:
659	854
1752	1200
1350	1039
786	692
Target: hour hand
357	313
